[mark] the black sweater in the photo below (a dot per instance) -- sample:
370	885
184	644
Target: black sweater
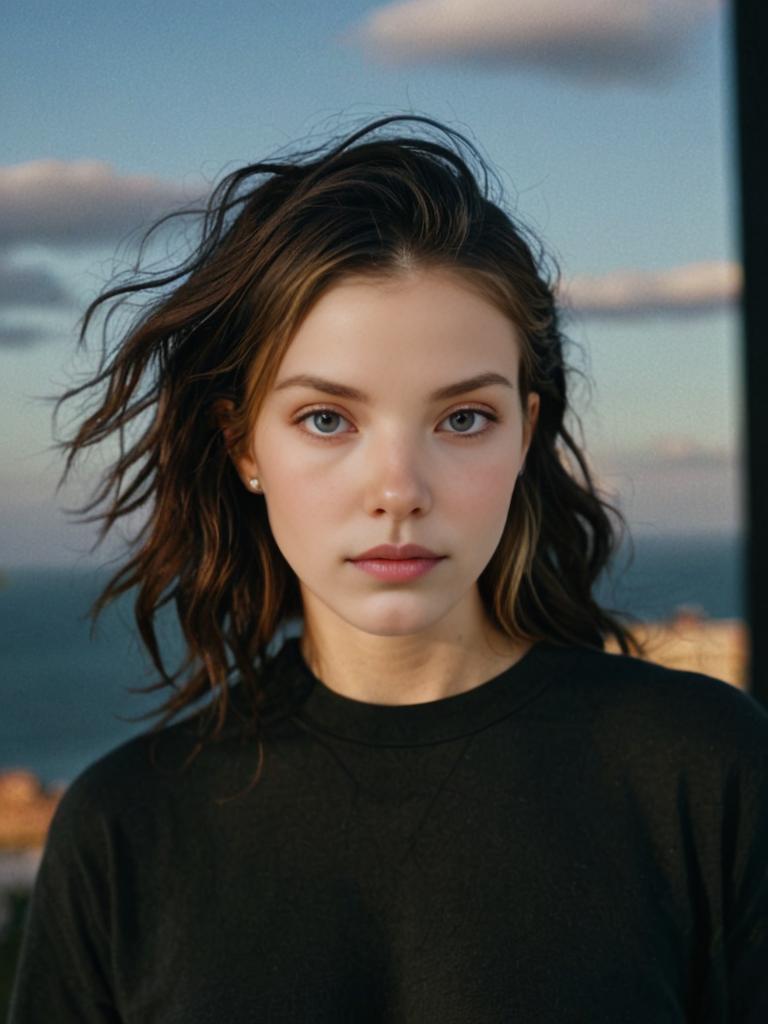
581	839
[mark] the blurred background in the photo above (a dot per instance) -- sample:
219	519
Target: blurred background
612	128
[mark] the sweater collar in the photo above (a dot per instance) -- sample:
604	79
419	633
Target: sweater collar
447	718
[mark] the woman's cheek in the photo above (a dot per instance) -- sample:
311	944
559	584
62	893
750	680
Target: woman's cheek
487	486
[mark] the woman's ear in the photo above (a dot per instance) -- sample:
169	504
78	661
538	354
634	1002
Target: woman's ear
223	413
531	418
223	410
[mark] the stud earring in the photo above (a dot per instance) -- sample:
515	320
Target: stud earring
254	483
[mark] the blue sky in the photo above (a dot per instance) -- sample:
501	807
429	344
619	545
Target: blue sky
615	146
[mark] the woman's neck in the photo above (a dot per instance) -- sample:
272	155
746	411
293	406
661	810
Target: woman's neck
406	669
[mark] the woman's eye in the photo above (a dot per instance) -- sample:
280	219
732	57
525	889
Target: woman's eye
323	419
463	419
325	422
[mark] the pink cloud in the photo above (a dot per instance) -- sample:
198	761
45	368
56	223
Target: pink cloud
690	288
589	38
84	201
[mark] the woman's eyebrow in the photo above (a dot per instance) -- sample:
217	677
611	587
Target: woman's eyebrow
480	380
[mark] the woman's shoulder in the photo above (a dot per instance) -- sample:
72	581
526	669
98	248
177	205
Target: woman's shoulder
632	694
145	771
190	758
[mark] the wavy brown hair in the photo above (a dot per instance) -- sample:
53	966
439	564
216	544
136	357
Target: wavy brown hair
274	237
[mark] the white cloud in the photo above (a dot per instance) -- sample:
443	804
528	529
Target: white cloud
60	202
691	288
591	38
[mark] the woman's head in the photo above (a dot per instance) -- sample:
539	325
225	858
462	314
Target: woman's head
380	263
428	452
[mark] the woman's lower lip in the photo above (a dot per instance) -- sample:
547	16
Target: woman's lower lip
397	569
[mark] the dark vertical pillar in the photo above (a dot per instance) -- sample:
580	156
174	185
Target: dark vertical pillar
750	37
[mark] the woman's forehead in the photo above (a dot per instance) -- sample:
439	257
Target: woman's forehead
430	323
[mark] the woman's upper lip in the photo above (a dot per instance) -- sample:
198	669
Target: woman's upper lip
392	551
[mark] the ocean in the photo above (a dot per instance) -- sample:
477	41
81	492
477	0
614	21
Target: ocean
66	698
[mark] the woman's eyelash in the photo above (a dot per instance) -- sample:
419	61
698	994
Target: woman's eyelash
457	433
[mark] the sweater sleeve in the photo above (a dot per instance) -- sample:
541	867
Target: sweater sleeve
63	971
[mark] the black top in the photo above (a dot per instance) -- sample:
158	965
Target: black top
581	839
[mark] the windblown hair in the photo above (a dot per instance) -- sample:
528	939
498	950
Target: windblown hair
274	237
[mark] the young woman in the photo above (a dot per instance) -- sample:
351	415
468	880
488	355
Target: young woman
422	791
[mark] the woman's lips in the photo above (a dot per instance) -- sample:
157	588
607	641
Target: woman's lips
397	570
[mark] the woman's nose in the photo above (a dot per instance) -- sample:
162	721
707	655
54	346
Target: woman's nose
396	483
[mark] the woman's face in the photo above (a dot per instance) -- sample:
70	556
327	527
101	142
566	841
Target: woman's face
395	464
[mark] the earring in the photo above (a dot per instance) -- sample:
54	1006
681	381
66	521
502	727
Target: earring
254	483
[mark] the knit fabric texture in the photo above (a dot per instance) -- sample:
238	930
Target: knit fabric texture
580	839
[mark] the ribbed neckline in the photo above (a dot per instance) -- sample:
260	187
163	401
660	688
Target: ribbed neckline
436	721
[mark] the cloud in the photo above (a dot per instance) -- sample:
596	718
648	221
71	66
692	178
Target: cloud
23	288
22	335
56	202
688	289
596	39
30	286
684	450
676	451
674	484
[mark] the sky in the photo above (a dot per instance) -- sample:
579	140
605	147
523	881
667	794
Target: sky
610	125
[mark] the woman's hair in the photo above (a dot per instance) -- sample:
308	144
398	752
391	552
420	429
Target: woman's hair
274	237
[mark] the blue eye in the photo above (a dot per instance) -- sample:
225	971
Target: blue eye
324	414
486	414
317	414
465	414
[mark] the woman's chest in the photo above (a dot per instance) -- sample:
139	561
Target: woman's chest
433	906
